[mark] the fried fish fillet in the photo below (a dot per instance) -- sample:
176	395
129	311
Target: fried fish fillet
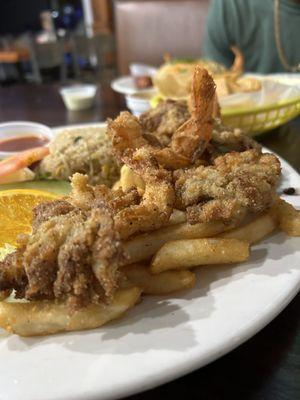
235	183
72	255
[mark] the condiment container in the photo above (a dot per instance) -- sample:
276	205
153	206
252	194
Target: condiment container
139	102
12	131
79	97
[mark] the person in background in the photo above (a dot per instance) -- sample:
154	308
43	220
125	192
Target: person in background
267	33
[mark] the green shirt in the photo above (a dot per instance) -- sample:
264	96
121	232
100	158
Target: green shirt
249	24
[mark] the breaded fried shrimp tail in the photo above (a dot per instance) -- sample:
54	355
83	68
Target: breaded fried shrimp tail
132	149
194	135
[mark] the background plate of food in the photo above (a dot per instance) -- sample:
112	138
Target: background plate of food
256	103
140	79
126	85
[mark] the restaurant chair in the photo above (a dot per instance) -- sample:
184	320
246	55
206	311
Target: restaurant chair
83	53
6	42
46	56
106	53
146	30
12	54
96	51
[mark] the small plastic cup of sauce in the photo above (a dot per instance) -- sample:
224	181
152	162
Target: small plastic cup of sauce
22	135
78	97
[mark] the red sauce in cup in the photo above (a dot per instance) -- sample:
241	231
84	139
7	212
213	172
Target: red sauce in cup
21	143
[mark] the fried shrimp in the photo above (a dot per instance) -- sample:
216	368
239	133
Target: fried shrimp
157	201
187	143
22	160
85	196
163	121
238	64
130	211
126	133
192	137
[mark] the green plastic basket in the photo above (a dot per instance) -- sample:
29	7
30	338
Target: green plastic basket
263	118
256	120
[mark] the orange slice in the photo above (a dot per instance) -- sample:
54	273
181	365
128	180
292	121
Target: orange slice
16	212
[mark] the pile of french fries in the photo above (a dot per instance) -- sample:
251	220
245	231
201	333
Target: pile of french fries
159	263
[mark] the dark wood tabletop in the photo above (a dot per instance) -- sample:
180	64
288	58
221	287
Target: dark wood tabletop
266	367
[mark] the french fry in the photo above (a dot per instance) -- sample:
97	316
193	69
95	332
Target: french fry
288	217
130	179
177	217
164	283
144	246
117	185
48	317
253	232
181	254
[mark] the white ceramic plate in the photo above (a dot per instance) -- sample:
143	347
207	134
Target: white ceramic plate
162	338
125	85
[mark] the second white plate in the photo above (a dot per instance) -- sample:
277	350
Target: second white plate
125	85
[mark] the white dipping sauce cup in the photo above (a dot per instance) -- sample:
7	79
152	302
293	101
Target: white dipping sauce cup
79	97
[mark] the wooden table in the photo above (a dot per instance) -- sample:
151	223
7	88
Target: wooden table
267	367
43	103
